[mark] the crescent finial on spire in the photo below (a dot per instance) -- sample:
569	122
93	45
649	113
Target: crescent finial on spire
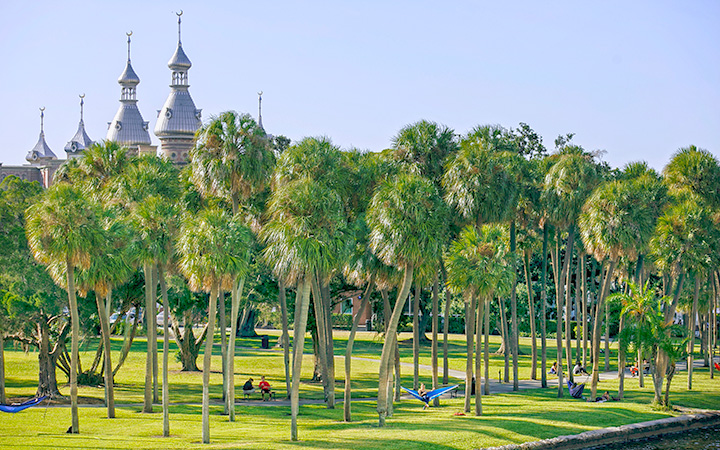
82	102
42	119
179	21
128	36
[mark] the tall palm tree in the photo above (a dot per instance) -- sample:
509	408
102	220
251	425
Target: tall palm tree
213	248
406	218
479	265
318	159
685	243
233	160
483	181
615	223
64	228
305	237
567	185
148	191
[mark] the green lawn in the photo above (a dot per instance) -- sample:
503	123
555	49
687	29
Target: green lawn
510	418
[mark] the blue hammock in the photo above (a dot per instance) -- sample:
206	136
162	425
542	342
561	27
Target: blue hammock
17	407
431	394
576	390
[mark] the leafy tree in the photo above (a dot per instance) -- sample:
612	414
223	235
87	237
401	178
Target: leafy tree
406	218
304	238
479	265
64	227
568	183
318	160
213	249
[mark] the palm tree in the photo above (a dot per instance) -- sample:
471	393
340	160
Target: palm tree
64	228
685	242
479	265
406	221
305	237
615	223
483	181
233	160
567	185
148	191
156	221
213	249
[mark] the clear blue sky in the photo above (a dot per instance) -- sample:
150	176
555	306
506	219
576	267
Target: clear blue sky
637	79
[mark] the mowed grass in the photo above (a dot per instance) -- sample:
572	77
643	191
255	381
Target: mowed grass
510	418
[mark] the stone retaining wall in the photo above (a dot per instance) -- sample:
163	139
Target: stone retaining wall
624	433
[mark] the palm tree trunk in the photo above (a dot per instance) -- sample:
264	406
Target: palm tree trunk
329	344
105	328
320	323
148	399
621	361
222	327
531	315
596	328
505	340
578	315
302	304
234	312
389	345
584	307
487	346
207	359
514	338
446	324
74	356
416	337
691	330
347	416
2	368
470	308
568	301
641	368
285	335
607	338
478	352
543	311
434	346
558	309
153	326
166	353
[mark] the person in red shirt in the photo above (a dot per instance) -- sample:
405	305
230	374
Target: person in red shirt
264	387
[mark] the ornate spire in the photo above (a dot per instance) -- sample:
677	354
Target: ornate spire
41	151
81	140
128	127
260	109
179	118
179	63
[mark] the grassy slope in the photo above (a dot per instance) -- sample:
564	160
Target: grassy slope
519	417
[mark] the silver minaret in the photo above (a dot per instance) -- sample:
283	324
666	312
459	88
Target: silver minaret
179	119
41	153
81	140
128	127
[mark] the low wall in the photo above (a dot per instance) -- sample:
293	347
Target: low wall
624	433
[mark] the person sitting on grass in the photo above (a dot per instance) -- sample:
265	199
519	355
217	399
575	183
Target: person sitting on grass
264	387
554	369
248	387
604	398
